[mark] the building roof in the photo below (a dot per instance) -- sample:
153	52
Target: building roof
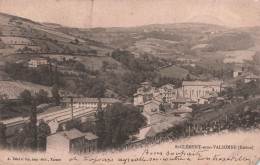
13	121
136	94
179	100
153	101
252	76
74	134
152	130
91	100
90	136
202	83
145	83
168	86
157	128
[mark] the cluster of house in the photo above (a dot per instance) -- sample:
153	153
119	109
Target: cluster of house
156	103
248	76
167	105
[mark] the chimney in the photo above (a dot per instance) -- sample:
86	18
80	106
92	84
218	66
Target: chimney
71	103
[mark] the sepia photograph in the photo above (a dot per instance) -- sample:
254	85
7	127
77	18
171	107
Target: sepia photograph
128	82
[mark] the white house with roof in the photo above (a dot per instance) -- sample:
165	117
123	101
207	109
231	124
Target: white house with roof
251	77
196	89
34	63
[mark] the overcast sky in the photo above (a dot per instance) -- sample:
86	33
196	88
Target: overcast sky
118	13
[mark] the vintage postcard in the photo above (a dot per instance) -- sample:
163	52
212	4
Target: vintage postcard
127	82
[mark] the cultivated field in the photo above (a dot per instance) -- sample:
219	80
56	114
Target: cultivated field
14	88
237	56
16	40
154	46
174	71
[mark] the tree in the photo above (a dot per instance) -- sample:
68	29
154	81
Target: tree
42	97
55	94
80	67
98	90
3	97
26	97
121	121
43	131
88	126
76	41
26	138
18	139
188	77
57	78
104	65
60	128
100	124
33	126
72	124
50	74
2	135
161	108
231	73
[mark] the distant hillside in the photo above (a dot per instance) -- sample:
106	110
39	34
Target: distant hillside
231	41
41	38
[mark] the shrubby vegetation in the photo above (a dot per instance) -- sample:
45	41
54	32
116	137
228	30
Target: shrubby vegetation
226	42
43	75
128	60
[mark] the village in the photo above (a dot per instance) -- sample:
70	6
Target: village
164	108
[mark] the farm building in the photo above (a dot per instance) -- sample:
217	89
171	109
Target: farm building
251	77
34	63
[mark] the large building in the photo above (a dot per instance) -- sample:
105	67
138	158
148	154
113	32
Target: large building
72	141
89	102
196	89
34	63
168	92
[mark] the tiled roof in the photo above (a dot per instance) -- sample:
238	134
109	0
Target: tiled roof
202	83
72	134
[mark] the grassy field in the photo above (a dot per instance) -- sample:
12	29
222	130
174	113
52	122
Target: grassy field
16	40
96	63
174	71
237	56
153	46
